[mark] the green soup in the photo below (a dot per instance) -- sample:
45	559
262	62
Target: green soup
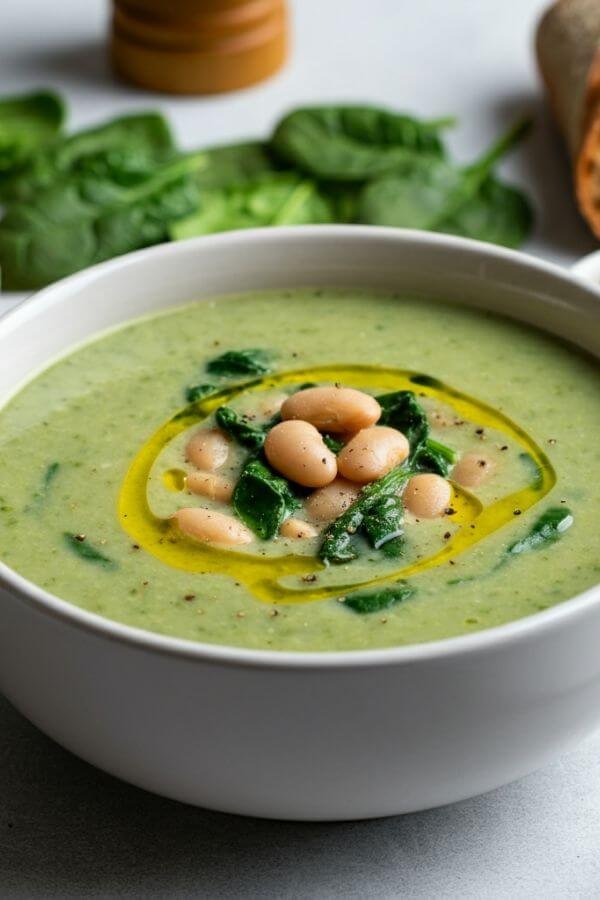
93	466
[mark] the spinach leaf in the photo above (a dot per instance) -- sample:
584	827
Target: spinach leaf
235	164
84	550
77	223
48	477
27	122
417	198
344	198
198	391
550	526
240	362
279	199
383	525
377	599
244	432
354	143
338	543
438	196
122	151
497	213
401	410
433	456
332	443
262	499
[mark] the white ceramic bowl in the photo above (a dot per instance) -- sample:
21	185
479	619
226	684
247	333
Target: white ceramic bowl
289	735
588	268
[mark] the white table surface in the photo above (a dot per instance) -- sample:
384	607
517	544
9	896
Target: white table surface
68	830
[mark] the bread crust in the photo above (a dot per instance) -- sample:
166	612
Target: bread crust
568	53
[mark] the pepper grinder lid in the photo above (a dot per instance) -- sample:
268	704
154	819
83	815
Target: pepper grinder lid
198	46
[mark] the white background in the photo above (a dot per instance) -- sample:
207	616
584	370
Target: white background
68	830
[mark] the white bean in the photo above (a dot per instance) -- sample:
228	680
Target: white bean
272	404
334	409
427	496
371	453
208	484
207	449
210	526
297	528
296	450
331	501
472	469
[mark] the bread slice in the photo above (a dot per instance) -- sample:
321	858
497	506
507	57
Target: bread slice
568	52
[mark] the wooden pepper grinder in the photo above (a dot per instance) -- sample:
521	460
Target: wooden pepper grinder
198	46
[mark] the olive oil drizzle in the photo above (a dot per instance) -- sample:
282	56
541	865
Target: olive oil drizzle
262	575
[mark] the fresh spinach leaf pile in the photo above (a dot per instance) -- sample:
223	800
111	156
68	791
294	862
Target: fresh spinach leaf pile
72	201
27	123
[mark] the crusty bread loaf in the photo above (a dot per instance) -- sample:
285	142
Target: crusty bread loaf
568	51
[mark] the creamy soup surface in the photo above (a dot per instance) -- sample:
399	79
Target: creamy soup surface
95	463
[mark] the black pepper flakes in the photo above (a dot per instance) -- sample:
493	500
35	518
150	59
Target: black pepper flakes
450	511
189	597
447	535
80	538
517	512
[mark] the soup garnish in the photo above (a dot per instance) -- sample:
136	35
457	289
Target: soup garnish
380	474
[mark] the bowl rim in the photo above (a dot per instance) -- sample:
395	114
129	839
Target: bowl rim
44	602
